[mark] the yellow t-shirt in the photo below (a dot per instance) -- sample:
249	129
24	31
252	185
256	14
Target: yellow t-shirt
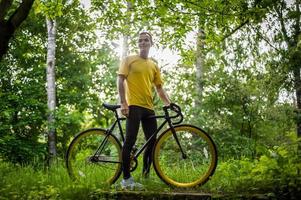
141	75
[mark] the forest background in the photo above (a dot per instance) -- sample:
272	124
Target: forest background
236	75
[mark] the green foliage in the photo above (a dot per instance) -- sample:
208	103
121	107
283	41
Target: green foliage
21	150
69	122
22	97
239	107
49	8
23	101
247	103
275	173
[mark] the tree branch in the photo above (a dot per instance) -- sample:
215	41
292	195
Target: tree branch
283	29
20	13
198	12
7	28
266	39
4	5
213	11
236	29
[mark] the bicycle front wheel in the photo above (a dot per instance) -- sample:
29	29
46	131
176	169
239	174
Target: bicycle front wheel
188	168
94	156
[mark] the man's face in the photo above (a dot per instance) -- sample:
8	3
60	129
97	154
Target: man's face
144	42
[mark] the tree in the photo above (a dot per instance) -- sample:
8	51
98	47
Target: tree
288	32
51	9
22	95
79	59
199	65
289	20
9	23
51	87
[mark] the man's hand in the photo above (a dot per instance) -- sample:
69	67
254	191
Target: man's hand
124	108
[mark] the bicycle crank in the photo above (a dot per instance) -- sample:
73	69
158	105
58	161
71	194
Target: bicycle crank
133	164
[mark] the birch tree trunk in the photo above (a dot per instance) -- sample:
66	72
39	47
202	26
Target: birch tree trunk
125	43
51	88
199	65
125	46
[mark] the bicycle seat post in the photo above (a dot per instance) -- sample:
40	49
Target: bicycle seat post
116	114
119	124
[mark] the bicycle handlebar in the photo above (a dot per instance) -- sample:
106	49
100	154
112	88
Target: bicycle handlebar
174	107
177	109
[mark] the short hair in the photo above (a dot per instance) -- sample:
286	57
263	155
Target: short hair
147	33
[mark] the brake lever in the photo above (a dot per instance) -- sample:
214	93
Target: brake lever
175	108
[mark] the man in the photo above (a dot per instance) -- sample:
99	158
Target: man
137	75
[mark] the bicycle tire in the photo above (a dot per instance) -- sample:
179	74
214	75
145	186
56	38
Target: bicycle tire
192	171
84	165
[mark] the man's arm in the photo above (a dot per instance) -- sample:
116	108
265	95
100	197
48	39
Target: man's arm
121	91
163	95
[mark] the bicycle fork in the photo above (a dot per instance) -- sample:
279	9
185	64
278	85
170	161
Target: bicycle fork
184	155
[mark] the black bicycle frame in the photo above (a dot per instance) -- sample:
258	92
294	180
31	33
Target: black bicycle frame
110	131
153	135
139	151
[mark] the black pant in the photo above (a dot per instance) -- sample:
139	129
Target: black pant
138	114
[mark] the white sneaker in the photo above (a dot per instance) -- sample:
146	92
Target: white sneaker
129	184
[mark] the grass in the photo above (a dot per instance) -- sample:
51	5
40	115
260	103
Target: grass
24	182
232	177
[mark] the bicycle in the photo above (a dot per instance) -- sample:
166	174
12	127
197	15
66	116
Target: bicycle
183	155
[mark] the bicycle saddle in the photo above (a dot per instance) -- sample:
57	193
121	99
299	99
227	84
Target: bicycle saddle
110	106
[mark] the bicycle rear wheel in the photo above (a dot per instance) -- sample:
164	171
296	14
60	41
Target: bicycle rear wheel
192	169
94	156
